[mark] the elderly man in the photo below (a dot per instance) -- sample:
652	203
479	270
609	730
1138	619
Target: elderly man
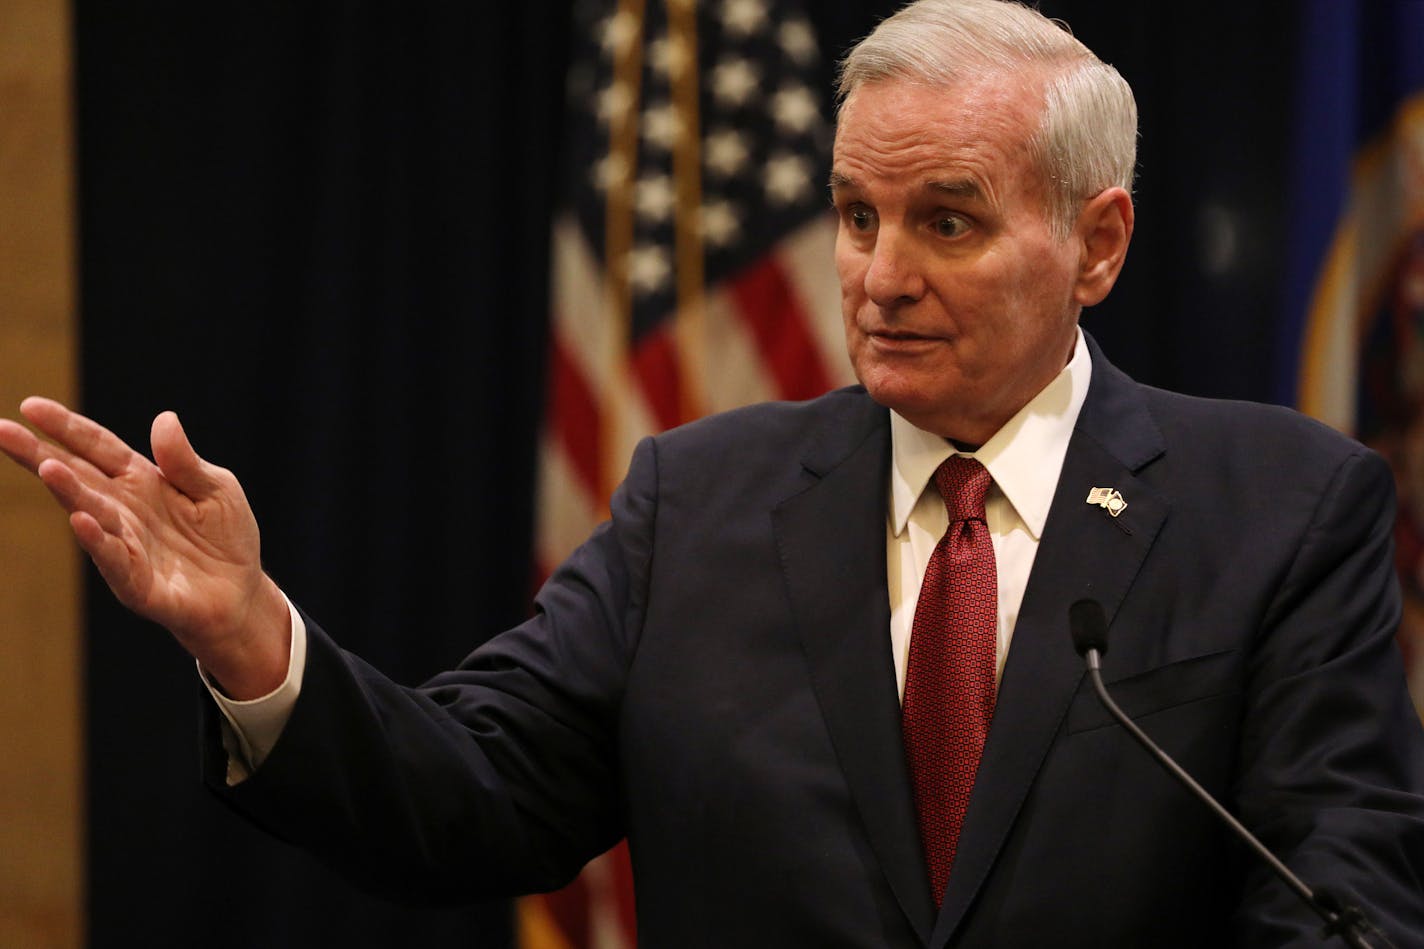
817	665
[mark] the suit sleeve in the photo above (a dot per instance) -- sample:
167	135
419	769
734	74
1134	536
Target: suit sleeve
1331	766
496	778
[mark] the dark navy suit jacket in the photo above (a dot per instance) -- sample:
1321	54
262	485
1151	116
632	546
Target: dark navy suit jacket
710	674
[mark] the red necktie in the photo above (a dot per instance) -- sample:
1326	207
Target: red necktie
949	679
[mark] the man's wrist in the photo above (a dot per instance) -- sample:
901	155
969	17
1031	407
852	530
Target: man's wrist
257	659
252	727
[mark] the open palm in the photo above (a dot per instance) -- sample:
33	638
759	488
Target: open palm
174	538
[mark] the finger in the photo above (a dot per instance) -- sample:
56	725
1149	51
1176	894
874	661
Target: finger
20	444
96	541
85	438
178	461
77	497
110	554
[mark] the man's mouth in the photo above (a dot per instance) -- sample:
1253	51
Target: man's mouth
898	334
901	341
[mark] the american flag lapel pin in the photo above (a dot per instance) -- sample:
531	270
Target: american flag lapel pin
1109	499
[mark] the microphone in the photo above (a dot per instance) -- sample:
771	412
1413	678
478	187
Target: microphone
1089	629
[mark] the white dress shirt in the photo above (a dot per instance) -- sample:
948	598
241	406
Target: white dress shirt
256	724
1024	458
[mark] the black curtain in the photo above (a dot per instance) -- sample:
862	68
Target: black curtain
319	232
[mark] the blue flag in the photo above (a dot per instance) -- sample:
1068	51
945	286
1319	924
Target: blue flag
1353	339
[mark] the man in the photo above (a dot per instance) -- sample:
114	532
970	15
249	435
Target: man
817	669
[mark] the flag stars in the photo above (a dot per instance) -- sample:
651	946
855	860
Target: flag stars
733	81
618	33
655	198
614	103
725	151
670	56
649	269
787	178
611	171
720	223
798	41
743	17
795	109
662	125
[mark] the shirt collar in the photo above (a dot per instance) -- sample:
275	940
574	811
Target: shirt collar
1024	457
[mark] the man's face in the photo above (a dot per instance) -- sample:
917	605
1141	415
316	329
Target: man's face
958	300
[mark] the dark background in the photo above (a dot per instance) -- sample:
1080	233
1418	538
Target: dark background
319	232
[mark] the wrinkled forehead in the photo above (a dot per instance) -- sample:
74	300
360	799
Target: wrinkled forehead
914	137
997	114
998	97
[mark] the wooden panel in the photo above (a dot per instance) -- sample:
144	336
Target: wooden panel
41	863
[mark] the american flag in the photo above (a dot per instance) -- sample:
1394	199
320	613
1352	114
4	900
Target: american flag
692	273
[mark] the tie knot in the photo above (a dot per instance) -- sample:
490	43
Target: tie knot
964	484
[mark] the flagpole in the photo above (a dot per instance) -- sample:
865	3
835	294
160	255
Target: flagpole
618	237
690	327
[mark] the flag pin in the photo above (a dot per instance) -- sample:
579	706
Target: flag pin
1109	499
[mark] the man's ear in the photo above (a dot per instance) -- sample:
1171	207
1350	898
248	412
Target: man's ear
1103	231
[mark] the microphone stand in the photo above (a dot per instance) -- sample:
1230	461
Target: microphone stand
1347	922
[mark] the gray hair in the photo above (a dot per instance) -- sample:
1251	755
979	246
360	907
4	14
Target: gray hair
1087	138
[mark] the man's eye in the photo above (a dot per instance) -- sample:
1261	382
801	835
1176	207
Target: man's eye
950	225
861	219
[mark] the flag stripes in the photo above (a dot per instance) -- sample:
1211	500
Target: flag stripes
692	273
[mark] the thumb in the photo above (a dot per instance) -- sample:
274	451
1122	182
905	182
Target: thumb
177	460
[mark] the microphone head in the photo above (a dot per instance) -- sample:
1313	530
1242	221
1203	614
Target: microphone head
1089	627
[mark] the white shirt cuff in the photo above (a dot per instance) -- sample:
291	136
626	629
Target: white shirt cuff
251	728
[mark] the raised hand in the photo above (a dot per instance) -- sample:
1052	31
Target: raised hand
174	538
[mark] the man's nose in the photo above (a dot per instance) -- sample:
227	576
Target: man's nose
894	276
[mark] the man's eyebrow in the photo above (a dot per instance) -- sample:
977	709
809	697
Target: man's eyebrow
964	188
959	188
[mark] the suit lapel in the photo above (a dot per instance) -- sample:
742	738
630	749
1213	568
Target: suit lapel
1084	552
832	544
